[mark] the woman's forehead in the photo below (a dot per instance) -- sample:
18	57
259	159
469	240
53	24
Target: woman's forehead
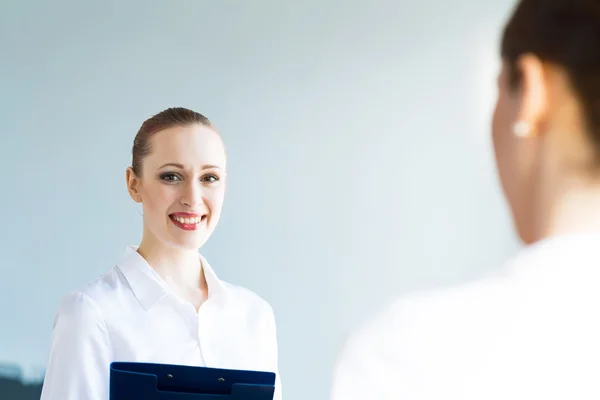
194	144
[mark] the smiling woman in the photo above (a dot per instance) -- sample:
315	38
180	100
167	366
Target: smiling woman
178	174
162	302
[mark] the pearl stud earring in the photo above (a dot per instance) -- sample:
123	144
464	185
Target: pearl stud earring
521	129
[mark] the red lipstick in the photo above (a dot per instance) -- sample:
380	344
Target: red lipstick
187	221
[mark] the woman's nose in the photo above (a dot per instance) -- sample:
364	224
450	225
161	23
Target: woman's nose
192	195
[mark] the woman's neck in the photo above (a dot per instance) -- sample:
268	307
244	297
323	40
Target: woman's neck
573	207
180	269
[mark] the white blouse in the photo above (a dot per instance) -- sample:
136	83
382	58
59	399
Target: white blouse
531	330
130	314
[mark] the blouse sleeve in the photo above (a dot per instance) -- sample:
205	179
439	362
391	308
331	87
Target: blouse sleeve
273	353
80	353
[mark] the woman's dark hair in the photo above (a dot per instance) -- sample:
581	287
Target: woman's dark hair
166	119
565	33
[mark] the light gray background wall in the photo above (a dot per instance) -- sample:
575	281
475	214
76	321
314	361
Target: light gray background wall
357	131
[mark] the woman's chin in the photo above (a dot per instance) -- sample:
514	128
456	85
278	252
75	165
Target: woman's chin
189	242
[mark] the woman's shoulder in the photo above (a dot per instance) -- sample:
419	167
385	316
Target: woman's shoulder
247	298
92	295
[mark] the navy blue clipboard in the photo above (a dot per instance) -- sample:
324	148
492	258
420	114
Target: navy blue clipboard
148	381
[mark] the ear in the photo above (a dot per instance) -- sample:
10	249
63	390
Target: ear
533	92
133	183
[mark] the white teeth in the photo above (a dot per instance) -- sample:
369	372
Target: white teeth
193	220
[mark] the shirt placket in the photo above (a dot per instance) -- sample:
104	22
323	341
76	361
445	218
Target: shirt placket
203	332
194	322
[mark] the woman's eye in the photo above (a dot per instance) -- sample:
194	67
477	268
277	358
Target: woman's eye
210	178
170	178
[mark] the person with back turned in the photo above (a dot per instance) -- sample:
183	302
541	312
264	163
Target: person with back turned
530	330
